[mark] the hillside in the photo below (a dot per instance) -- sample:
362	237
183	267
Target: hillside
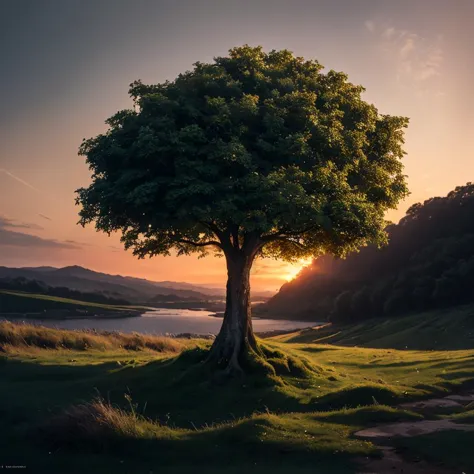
82	279
136	290
428	264
32	305
438	330
33	286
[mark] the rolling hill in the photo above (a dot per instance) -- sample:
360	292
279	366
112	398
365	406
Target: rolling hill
30	305
137	290
83	279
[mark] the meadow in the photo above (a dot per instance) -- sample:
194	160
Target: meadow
31	304
92	402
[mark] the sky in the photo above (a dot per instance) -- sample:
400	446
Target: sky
67	65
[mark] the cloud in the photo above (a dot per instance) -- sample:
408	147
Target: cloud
81	244
13	223
416	59
370	25
20	239
432	65
13	238
45	217
389	32
419	58
18	179
407	47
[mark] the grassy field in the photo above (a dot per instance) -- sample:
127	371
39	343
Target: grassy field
436	330
18	301
115	403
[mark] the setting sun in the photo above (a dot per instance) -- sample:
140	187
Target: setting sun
292	270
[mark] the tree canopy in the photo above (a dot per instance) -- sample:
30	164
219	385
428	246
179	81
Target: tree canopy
256	154
255	145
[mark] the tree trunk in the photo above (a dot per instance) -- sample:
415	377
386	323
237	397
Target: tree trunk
236	337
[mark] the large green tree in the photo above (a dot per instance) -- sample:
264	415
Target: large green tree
253	155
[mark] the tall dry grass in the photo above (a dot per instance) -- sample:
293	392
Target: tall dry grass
99	423
28	335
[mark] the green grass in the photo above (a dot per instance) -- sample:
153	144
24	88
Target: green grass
437	330
259	441
165	411
19	301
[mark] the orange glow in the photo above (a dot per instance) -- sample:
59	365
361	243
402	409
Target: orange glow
292	270
424	68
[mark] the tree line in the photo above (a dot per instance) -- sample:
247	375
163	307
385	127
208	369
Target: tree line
428	263
39	287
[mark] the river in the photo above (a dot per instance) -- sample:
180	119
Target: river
167	321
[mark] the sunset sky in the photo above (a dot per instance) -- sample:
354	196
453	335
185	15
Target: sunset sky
67	65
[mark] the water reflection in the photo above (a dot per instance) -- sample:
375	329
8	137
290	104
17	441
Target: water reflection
168	321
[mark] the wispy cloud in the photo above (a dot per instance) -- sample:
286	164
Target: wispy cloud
389	33
416	59
18	179
45	217
10	238
13	223
13	238
81	244
407	47
431	67
370	25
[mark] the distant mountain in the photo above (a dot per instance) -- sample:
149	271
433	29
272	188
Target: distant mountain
178	285
211	289
134	289
40	269
83	279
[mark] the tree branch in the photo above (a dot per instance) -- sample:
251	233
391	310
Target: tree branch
285	233
200	244
213	227
285	239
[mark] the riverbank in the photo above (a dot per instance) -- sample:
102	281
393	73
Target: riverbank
71	315
157	321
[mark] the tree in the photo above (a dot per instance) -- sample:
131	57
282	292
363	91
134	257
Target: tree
342	311
253	155
361	304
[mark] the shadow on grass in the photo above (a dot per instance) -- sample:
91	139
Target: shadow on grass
265	442
317	349
186	406
375	363
31	390
350	397
449	448
194	418
458	374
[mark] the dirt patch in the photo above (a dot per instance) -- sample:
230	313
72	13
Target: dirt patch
451	401
412	428
432	403
391	462
462	398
